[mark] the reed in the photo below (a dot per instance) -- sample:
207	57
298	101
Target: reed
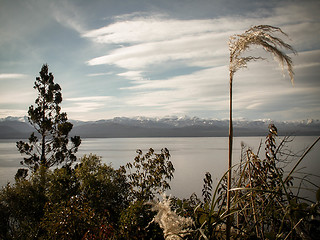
263	36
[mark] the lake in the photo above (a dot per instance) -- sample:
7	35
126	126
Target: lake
191	157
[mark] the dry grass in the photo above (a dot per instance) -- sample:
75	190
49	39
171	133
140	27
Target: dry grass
261	35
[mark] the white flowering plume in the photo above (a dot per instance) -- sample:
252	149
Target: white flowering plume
174	226
261	35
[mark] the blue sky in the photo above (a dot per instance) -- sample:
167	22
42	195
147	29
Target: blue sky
157	58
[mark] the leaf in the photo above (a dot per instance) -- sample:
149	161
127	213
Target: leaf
202	219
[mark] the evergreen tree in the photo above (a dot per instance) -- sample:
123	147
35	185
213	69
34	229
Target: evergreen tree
49	146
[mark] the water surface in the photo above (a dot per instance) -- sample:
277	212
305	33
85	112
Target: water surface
191	157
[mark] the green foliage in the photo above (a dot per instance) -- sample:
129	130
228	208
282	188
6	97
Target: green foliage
68	220
149	173
185	207
106	188
147	176
84	201
136	223
21	209
51	126
73	219
62	184
210	215
207	187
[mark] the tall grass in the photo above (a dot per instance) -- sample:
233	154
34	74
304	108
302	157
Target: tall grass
266	199
262	35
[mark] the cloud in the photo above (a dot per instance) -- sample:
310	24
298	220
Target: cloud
132	75
204	89
68	15
84	107
253	96
158	62
86	104
17	96
308	65
12	75
202	79
152	40
12	112
99	74
149	41
307	59
89	99
155	29
21	20
181	66
193	50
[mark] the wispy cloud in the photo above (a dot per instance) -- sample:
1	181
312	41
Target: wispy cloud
203	89
192	50
156	59
132	75
152	41
89	99
12	75
83	107
12	112
14	96
307	59
86	104
99	74
156	39
68	15
143	44
155	29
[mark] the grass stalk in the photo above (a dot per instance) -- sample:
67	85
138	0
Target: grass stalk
261	35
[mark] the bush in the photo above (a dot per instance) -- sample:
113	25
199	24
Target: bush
22	208
89	200
66	203
136	223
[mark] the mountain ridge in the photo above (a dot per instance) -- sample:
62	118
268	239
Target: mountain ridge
172	126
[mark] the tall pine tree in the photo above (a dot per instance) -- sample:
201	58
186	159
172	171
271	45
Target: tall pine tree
49	146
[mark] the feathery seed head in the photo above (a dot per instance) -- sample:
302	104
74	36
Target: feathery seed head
173	226
261	35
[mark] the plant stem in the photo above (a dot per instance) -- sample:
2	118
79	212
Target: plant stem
302	157
228	225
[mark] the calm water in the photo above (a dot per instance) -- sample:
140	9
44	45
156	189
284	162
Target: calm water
191	157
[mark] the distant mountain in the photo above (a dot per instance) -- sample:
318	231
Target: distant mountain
163	127
15	128
187	127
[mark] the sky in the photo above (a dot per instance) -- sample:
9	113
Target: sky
151	58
